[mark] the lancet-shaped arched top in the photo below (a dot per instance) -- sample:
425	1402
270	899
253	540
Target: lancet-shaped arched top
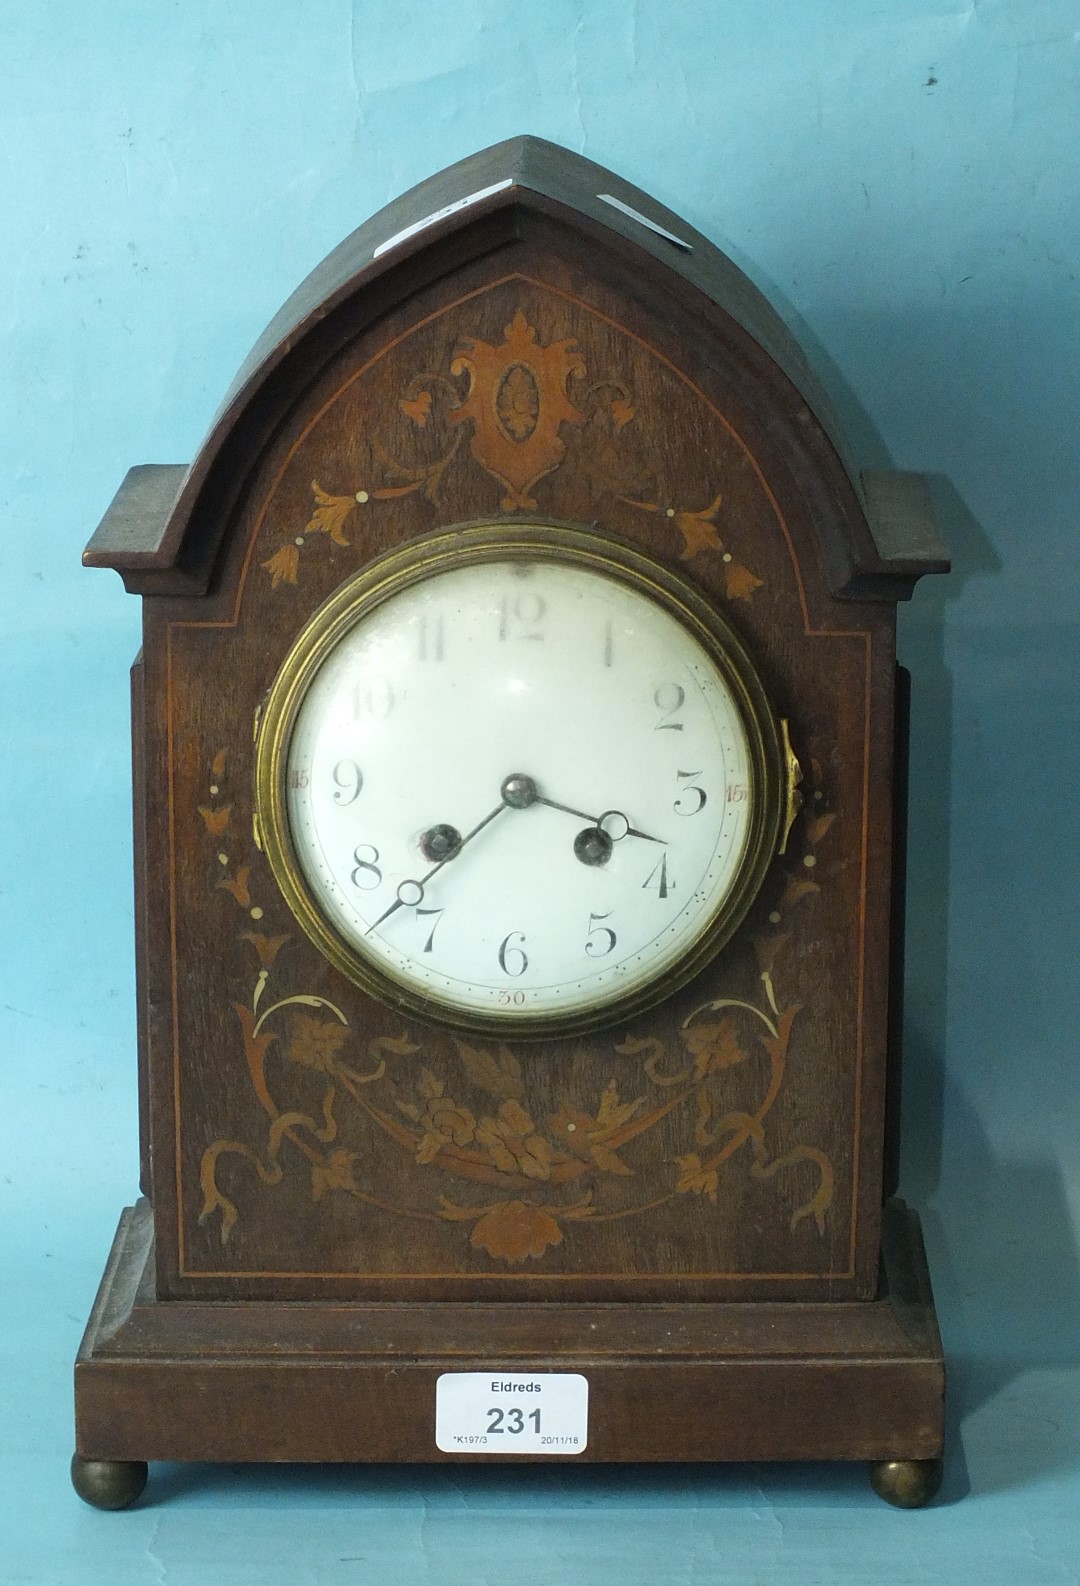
164	531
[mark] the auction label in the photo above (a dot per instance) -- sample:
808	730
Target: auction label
511	1412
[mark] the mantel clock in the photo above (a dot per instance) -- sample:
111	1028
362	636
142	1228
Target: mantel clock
518	747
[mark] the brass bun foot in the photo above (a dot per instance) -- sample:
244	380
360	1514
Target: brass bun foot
906	1483
108	1483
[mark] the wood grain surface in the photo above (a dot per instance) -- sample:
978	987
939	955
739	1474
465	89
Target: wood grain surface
322	1382
537	355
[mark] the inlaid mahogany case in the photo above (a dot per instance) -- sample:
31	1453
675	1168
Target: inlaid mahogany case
343	1200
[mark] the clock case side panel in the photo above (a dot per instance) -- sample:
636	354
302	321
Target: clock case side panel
142	946
158	987
894	1070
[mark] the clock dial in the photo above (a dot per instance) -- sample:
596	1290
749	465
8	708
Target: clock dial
520	789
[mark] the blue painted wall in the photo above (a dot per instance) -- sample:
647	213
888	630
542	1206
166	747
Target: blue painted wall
902	178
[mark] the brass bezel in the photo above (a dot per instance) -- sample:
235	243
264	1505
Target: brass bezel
491	541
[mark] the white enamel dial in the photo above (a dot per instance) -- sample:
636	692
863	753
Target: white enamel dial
520	789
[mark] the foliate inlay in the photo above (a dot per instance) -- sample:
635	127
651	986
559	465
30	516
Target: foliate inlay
513	402
466	1115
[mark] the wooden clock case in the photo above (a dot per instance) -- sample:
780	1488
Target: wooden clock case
343	1201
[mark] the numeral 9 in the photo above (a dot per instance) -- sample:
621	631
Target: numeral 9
348	779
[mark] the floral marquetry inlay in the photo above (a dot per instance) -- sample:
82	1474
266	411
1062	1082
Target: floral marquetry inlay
526	1172
516	403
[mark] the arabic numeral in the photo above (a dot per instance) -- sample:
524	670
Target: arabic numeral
514	1418
348	780
520	962
374	698
522	616
669	699
438	913
691	799
658	877
432	636
594	942
366	867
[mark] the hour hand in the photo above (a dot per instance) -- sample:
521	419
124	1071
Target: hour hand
593	845
521	791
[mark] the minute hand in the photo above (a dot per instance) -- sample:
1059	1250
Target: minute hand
595	820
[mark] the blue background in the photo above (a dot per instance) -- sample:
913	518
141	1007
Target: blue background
901	176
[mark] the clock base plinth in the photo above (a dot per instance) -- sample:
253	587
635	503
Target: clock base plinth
327	1382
